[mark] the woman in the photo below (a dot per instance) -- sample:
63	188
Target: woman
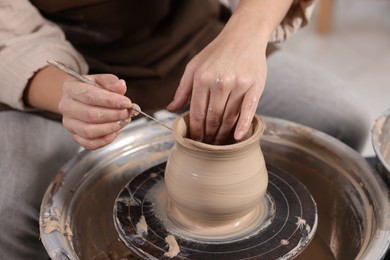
157	52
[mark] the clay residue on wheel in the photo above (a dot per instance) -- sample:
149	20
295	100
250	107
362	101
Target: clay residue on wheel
174	248
142	227
53	222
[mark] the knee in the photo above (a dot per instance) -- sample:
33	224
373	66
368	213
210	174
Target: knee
32	151
318	99
18	223
350	126
342	115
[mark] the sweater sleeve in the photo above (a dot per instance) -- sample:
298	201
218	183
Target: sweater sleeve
297	17
27	41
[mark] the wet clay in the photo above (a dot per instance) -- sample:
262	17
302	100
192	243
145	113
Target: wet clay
193	228
142	226
215	189
174	248
53	223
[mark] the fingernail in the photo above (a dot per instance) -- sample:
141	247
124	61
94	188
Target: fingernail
125	122
123	82
125	104
171	105
239	135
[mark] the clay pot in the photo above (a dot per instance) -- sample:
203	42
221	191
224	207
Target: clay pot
215	182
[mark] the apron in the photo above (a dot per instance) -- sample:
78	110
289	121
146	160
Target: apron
147	43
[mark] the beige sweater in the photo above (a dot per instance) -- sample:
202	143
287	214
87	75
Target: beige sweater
27	40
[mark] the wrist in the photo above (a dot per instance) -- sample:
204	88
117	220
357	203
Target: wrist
259	18
44	89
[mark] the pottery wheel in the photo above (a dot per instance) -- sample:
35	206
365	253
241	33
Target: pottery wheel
290	228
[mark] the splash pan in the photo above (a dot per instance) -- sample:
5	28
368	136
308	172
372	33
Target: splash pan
76	219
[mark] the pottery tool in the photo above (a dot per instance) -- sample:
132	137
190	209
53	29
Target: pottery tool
83	79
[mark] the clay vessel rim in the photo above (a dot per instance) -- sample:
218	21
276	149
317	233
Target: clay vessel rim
189	143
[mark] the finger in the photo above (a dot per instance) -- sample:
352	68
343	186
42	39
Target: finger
198	106
93	144
215	111
184	90
92	131
230	117
95	96
248	110
91	114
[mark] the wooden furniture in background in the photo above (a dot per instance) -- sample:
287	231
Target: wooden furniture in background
324	16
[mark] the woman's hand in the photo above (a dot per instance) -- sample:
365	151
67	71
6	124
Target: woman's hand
224	82
94	116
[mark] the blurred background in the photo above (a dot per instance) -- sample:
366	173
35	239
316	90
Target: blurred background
351	38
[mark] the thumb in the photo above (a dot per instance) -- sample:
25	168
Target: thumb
183	92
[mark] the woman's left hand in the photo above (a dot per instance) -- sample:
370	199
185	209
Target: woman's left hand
224	83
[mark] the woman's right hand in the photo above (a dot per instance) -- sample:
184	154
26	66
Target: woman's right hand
94	116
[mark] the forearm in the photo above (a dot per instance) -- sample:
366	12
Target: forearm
258	19
28	41
44	89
